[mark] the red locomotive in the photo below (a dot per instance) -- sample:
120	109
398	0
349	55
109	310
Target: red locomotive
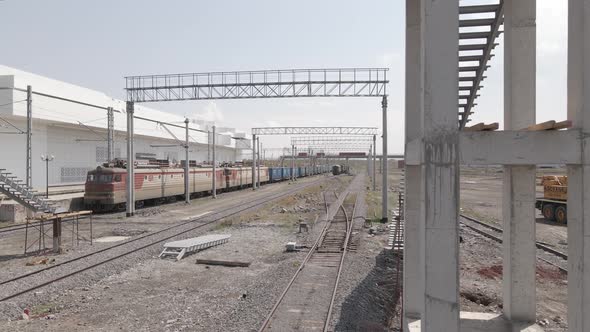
105	188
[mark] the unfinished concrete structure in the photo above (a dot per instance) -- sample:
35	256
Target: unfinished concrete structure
436	146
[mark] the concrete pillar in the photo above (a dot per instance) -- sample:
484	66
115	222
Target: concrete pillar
578	204
253	162
519	181
130	161
413	293
439	240
384	188
56	236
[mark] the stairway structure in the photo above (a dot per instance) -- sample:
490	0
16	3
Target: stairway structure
479	27
26	196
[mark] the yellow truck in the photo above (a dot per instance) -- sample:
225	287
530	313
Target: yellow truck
553	204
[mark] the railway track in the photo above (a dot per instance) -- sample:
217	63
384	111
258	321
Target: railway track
307	301
20	285
545	253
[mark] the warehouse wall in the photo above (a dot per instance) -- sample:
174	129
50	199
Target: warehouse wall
77	150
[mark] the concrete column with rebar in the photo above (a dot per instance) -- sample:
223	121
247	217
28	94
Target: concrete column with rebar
439	240
518	204
130	161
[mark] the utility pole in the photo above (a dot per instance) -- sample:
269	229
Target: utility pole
253	162
374	162
214	192
385	203
187	193
292	162
258	154
369	162
208	145
29	167
110	135
130	161
47	159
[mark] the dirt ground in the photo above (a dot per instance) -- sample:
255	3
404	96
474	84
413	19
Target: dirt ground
481	258
163	295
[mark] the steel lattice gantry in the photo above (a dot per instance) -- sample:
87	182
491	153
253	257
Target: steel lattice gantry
342	82
337	82
316	131
341	136
479	27
330	139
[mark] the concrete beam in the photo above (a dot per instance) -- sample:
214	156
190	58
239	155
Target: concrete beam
512	148
578	210
440	239
521	147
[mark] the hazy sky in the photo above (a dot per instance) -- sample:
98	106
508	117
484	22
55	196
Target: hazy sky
95	43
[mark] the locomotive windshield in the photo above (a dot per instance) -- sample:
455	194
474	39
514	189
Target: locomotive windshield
103	178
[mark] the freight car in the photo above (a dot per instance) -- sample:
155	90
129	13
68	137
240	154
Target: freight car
105	188
340	169
336	170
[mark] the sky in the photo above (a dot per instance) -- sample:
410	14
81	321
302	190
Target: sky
95	44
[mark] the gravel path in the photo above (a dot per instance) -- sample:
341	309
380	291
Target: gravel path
363	295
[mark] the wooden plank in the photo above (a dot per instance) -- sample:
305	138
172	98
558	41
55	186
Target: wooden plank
476	127
547	125
224	263
562	125
483	127
47	217
491	126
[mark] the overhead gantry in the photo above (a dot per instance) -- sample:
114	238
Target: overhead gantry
353	131
352	143
292	83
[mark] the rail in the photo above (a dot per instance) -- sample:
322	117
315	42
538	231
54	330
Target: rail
207	220
539	245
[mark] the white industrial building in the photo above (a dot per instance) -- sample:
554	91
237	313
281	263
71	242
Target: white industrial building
76	134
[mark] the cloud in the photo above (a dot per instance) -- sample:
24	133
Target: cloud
211	112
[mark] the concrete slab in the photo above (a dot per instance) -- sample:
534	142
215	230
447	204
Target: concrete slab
482	322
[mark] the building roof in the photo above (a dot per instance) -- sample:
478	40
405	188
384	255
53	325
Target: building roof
13	85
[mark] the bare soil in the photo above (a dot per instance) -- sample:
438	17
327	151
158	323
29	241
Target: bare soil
481	258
